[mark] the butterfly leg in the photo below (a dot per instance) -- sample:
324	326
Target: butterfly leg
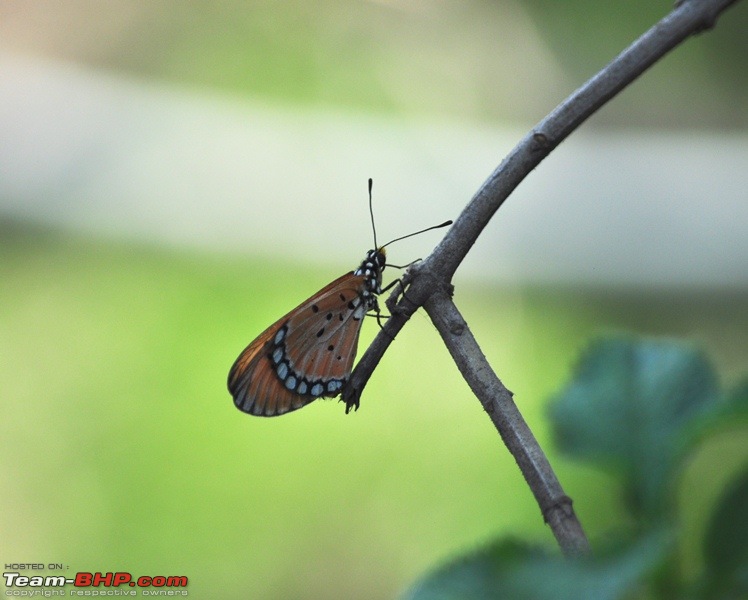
392	301
403	282
375	312
379	320
410	264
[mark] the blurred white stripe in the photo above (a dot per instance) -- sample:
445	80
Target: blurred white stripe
100	152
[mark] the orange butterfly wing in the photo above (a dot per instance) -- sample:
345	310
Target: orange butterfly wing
307	354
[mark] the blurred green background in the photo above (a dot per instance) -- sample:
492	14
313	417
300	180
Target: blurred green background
121	310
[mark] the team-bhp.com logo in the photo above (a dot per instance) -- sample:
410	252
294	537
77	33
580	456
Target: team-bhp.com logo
93	584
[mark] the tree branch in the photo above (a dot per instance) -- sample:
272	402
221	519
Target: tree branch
429	281
499	404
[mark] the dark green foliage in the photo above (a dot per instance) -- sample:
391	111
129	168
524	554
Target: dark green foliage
637	408
726	544
631	405
513	571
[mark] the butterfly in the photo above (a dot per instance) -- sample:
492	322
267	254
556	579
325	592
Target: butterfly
309	352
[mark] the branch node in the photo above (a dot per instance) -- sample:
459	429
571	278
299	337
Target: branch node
708	20
457	328
563	504
541	142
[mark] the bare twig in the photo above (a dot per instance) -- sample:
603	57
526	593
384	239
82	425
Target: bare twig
429	281
499	404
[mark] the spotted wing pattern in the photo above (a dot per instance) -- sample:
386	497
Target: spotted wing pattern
307	354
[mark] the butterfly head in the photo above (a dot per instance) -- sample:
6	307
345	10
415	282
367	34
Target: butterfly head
371	268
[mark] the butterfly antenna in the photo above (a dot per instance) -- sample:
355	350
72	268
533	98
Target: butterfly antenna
371	213
445	224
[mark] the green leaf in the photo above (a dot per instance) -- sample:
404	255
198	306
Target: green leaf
726	543
735	409
476	576
630	406
512	571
